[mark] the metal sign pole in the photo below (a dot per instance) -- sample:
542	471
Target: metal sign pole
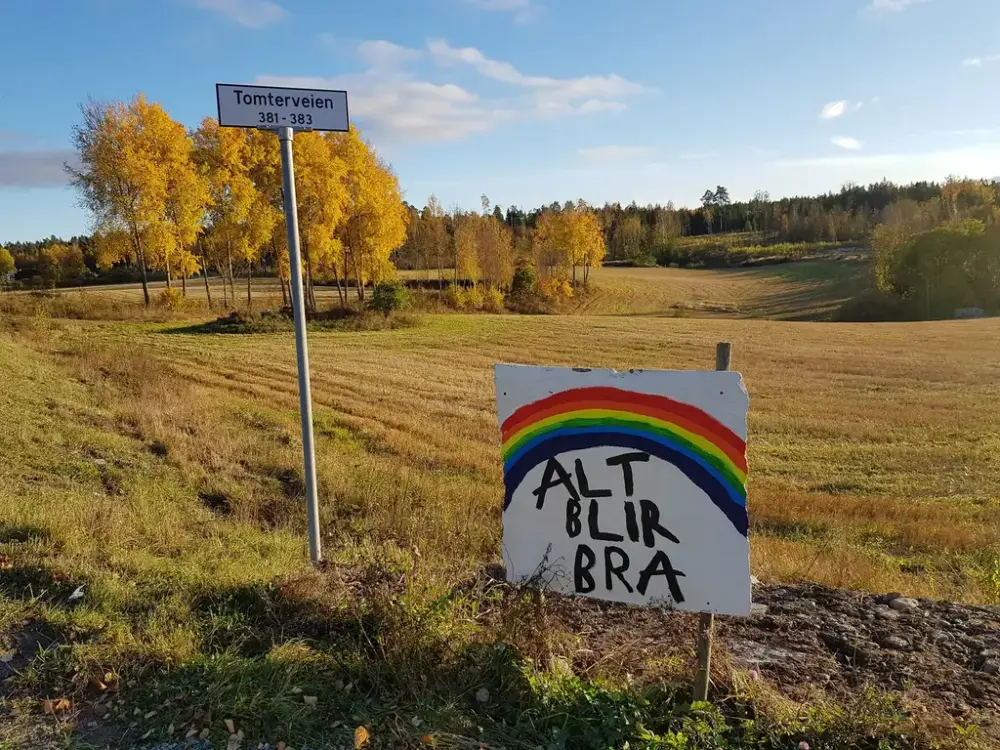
285	135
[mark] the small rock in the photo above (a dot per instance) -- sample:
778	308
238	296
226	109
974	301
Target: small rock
758	610
296	691
990	666
338	684
939	636
100	462
886	614
886	598
149	714
895	643
309	700
904	605
989	653
203	734
482	695
190	733
91	724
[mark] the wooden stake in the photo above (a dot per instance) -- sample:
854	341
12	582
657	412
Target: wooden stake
541	622
706	621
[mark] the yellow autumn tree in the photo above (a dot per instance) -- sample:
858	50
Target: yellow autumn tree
375	216
467	247
267	227
586	239
224	157
321	194
126	153
7	266
552	244
187	200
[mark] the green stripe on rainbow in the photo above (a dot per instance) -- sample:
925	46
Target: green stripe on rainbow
611	410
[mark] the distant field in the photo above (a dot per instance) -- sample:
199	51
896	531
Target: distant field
802	290
805	290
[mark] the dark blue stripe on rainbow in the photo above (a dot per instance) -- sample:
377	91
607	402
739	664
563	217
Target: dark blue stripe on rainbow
703	475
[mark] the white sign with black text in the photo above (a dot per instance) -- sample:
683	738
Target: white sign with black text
627	486
273	107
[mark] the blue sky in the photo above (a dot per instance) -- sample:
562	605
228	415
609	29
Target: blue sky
531	101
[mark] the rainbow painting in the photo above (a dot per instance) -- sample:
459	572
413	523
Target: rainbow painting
707	452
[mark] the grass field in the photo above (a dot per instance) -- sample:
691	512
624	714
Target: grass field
806	290
163	472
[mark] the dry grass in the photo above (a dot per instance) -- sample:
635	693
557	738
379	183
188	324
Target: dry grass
805	290
163	470
873	448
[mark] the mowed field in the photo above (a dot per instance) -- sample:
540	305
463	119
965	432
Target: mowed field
806	290
160	467
873	448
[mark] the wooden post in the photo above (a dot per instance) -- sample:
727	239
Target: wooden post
706	621
542	623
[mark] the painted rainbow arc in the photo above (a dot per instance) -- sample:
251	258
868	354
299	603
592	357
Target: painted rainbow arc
706	451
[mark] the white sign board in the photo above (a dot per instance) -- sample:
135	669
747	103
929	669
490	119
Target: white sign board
627	486
273	107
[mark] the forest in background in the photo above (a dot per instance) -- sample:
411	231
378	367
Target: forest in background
174	204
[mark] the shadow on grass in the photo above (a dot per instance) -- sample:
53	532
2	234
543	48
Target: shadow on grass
280	321
21	533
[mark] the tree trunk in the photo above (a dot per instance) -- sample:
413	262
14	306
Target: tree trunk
574	275
168	274
346	277
141	256
249	295
586	275
310	298
284	295
340	290
184	285
232	284
204	273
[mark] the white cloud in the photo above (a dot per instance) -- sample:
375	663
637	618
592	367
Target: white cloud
35	168
391	101
525	11
978	62
982	160
382	54
599	92
893	6
843	141
254	14
839	108
614	154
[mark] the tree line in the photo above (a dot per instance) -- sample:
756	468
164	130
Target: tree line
184	202
181	203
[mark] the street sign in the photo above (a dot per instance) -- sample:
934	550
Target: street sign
285	110
273	107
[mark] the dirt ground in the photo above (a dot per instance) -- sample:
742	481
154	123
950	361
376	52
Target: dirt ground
942	659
